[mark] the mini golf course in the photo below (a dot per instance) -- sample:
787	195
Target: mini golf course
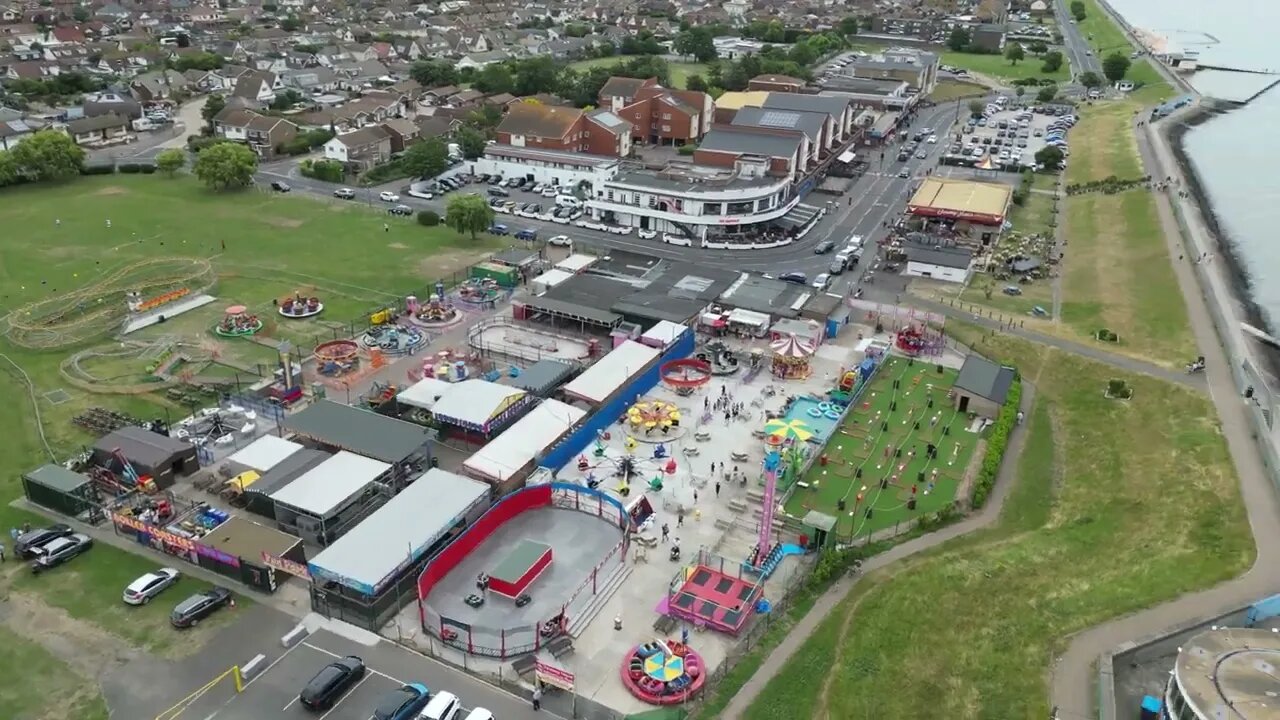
879	459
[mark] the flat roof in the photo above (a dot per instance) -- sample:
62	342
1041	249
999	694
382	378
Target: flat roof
57	477
601	380
765	295
288	470
545	375
741	99
567	158
329	485
576	262
143	447
1230	673
358	430
552	277
691	179
246	539
749	143
665	332
524	441
962	199
265	453
425	393
586	296
476	401
399	532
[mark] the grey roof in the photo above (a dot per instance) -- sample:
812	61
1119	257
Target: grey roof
586	296
361	431
544	376
58	478
515	257
747	143
832	105
611	121
287	470
809	123
958	258
143	447
677	294
244	538
764	295
691	178
979	376
100	122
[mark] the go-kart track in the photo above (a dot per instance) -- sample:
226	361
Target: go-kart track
504	337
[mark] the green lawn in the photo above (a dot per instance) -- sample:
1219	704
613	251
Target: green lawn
1035	293
998	67
1106	38
1119	506
680	71
864	443
949	90
37	684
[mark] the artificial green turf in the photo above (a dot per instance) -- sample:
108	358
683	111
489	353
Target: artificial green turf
863	443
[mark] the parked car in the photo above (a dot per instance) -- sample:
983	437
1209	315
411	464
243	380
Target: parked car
498	192
647	234
527	234
191	611
537	188
797	278
824	247
142	590
499	229
30	543
548	192
821	282
444	706
324	690
280	187
402	703
388	196
400	210
560	241
344	193
60	550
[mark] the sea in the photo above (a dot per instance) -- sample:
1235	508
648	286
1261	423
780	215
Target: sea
1236	155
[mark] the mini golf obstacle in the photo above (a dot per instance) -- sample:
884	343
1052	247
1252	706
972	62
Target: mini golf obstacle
296	307
663	672
237	321
519	568
709	598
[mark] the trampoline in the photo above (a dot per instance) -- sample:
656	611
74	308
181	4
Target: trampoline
519	568
711	598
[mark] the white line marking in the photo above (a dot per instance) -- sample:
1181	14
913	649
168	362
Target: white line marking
336	655
291	702
348	694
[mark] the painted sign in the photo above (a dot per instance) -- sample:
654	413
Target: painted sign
295	569
553	676
179	544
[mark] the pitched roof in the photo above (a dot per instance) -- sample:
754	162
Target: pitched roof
364	136
249	84
545	121
979	376
624	86
90	124
610	122
835	106
749	143
809	123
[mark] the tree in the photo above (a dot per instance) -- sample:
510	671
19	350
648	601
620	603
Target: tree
1052	62
1014	53
695	82
425	159
1047	93
802	53
1090	79
468	214
471	141
291	24
1114	66
696	42
1038	47
848	26
976	107
48	155
212	107
286	99
170	161
1049	156
958	40
493	79
1020	91
226	166
81	13
536	75
1078	10
8	169
433	73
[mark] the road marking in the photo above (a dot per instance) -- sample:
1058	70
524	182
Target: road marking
348	694
336	655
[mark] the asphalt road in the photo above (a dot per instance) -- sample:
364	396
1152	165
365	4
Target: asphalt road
1075	45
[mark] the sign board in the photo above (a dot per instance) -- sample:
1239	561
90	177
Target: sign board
554	676
285	565
181	544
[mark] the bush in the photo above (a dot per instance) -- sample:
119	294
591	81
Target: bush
147	169
1019	197
98	170
196	143
326	170
128	169
1106	335
997	443
1118	389
428	218
688	149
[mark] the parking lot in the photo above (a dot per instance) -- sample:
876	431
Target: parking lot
1007	137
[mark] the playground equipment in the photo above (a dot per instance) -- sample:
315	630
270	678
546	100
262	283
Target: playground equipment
71	317
436	312
791	356
237	321
394	338
479	292
663	672
297	306
685	374
915	339
653	416
137	305
446	365
719	357
337	358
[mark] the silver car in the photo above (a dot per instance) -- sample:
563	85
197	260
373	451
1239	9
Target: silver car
148	586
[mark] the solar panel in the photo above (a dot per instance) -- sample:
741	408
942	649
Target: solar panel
776	119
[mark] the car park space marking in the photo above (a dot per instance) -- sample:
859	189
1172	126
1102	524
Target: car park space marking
367	668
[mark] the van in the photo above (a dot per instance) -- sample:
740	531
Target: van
567	201
498	192
444	706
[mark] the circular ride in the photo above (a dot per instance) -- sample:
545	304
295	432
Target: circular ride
685	375
394	338
337	357
719	357
435	312
483	292
237	321
791	356
297	306
663	672
653	416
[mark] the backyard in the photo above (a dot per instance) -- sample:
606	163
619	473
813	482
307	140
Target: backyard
680	71
971	628
877	459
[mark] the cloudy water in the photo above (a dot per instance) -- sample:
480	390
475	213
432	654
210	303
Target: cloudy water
1236	155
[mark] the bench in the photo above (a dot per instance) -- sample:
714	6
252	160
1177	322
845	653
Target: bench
560	647
523	665
737	505
722	524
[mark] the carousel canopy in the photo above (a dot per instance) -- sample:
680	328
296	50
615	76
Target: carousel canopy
792	347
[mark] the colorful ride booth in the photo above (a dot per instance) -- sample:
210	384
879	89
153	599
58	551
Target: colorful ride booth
791	357
508	460
473	411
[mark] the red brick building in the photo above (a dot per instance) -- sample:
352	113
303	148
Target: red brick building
553	127
658	115
776	83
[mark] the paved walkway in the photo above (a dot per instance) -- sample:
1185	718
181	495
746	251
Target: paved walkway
1073	675
782	654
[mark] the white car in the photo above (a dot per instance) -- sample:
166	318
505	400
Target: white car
544	216
141	591
933	140
560	241
647	234
388	196
548	192
537	188
822	281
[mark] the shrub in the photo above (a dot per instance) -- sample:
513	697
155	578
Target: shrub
327	170
428	218
1019	197
200	142
687	149
1118	389
997	443
1106	335
147	169
128	169
98	170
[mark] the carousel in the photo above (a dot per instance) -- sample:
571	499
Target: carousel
791	356
653	417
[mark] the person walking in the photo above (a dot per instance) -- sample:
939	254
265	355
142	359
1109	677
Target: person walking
666	531
717	488
680	518
537	697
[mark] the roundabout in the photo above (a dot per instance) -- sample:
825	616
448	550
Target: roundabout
663	672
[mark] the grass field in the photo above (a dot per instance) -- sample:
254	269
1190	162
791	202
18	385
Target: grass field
949	90
997	66
1119	505
1035	293
864	443
680	71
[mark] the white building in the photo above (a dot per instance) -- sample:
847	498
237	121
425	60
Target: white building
939	263
544	166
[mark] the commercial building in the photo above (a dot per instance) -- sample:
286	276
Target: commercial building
160	457
961	201
546	166
951	264
917	68
1225	674
327	500
506	461
982	386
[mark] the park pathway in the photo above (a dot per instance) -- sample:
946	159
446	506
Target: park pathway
782	654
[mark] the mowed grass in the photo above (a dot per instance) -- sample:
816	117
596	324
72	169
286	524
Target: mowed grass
1120	505
1035	293
997	66
948	90
37	683
680	71
1103	144
861	443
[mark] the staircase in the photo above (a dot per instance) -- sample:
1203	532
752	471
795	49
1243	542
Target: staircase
579	622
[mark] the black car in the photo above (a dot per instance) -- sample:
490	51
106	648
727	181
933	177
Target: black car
199	606
59	550
797	278
280	187
28	543
824	247
333	680
400	210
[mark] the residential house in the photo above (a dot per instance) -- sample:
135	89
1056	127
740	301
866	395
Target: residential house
13	132
550	127
478	60
313	80
436	127
262	133
361	149
403	133
465	98
257	89
366	111
109	103
101	130
658	115
207	81
156	86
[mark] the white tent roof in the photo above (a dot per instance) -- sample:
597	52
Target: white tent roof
265	453
664	333
400	531
475	401
521	443
424	393
551	278
748	317
329	485
611	372
576	263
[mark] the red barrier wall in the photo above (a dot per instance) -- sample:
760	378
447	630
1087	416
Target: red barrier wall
447	559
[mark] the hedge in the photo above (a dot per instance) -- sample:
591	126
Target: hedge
997	443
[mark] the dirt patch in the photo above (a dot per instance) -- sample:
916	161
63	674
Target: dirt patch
281	222
845	625
964	492
85	648
397	246
440	266
111	190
